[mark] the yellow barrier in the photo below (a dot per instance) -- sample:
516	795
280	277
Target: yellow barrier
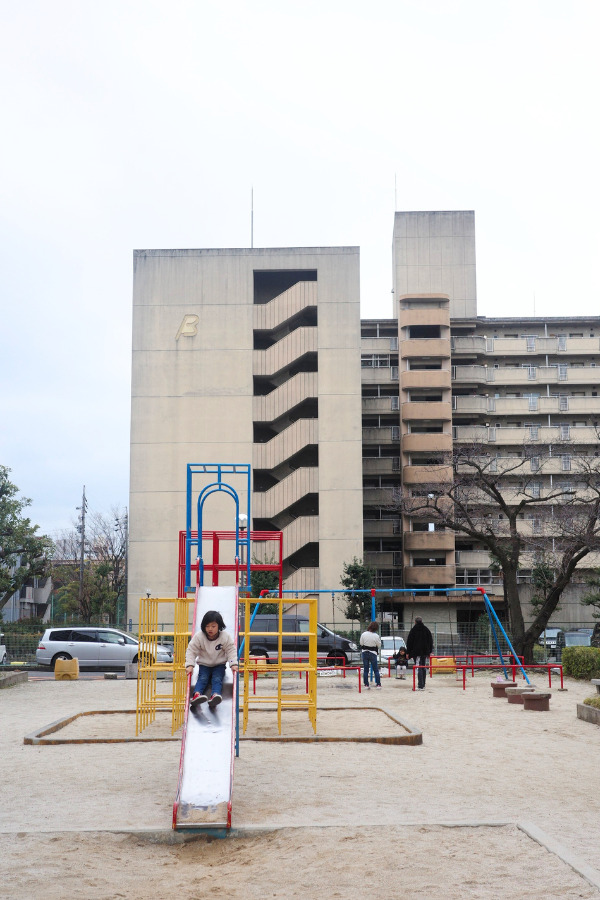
66	669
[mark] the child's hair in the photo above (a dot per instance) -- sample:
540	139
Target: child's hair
212	616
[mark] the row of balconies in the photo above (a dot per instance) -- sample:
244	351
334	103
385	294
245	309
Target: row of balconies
513	406
526	375
568	435
526	346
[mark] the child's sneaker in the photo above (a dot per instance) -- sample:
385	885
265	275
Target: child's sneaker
198	698
214	700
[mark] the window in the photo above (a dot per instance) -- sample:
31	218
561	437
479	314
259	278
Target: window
533	433
535	463
375	361
84	637
566	463
565	432
535	488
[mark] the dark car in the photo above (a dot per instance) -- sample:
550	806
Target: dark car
331	647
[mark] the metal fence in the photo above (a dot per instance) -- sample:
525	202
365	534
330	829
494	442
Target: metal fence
474	637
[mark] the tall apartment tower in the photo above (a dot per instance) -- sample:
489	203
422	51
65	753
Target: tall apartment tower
408	418
247	356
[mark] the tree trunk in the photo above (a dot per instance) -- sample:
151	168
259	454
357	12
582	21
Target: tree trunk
523	645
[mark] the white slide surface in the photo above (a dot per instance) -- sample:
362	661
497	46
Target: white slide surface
206	769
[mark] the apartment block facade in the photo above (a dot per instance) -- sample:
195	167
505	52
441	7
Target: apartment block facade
261	356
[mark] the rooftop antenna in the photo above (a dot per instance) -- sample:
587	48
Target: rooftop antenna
252	217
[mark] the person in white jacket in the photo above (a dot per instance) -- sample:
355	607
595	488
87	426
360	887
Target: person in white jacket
211	648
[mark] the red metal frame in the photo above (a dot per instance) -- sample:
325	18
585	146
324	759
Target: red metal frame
216	566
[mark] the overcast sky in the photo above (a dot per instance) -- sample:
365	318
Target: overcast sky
130	124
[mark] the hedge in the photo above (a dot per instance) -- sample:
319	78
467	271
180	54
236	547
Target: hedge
581	662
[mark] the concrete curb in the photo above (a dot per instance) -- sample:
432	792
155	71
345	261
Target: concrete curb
9	679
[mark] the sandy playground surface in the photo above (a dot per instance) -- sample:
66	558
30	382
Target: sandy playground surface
496	803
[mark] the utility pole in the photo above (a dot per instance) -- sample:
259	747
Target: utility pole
81	529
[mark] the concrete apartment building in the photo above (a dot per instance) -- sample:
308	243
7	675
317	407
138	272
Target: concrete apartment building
247	356
261	356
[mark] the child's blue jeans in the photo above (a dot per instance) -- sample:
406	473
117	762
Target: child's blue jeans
210	674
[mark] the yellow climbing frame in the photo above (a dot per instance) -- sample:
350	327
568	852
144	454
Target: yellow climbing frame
173	685
305	700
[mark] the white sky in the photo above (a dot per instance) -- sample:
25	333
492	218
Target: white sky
130	124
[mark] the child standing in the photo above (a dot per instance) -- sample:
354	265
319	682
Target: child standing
211	648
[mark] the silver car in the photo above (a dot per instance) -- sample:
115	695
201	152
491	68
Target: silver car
93	647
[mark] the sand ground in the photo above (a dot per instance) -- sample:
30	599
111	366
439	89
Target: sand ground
453	817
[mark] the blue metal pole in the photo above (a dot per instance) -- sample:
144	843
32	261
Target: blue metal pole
492	613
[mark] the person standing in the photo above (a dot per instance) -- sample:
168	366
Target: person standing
419	645
370	644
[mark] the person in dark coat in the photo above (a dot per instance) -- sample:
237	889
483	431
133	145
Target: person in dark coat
419	645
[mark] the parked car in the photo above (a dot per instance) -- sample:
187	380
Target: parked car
389	646
331	647
579	638
550	638
93	647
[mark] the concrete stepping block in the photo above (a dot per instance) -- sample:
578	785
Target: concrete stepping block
537	700
499	688
515	694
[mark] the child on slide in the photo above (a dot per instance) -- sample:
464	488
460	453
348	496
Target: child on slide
211	648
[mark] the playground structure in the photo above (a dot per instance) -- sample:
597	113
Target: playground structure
210	739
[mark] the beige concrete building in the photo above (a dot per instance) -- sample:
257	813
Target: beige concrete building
247	356
260	356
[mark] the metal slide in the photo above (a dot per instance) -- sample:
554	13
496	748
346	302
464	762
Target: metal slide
204	789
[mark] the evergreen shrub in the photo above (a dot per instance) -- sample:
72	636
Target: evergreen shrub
581	662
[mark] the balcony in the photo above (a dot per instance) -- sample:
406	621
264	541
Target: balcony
470	405
418	348
425	378
423	576
383	375
471	374
378	496
380	405
386	435
413	443
472	559
425	316
380	528
428	540
438	410
427	474
383	559
468	345
381	465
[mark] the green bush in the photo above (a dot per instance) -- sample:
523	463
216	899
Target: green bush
593	701
581	662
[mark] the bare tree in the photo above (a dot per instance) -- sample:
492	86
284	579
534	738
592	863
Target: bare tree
507	506
95	591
